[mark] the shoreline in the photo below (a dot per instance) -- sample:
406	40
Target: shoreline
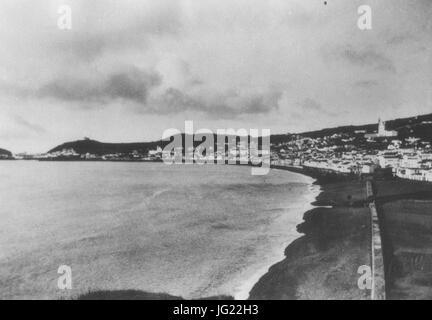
314	191
242	292
323	263
308	206
321	260
306	269
312	231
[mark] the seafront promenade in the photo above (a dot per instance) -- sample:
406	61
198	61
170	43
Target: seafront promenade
377	258
405	213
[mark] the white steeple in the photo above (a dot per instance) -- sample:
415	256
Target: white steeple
381	127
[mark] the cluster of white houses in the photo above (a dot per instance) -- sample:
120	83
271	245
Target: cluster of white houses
71	154
404	163
407	163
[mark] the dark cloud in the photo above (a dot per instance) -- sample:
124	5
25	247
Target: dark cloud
130	85
174	100
260	104
223	106
368	58
134	86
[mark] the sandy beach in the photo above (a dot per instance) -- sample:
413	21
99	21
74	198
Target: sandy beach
323	263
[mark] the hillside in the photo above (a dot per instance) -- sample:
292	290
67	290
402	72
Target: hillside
5	153
101	148
419	127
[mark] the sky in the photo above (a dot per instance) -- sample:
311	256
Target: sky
128	70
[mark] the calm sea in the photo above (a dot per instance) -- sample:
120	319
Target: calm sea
191	230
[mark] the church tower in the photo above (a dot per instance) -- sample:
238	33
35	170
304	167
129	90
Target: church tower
381	127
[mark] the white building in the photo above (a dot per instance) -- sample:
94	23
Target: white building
414	174
382	132
389	159
411	161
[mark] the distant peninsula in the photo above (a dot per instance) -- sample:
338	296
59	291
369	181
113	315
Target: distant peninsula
88	146
5	154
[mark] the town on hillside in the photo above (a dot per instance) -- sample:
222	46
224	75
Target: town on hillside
359	153
356	152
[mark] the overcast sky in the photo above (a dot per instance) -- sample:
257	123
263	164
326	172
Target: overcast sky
128	70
